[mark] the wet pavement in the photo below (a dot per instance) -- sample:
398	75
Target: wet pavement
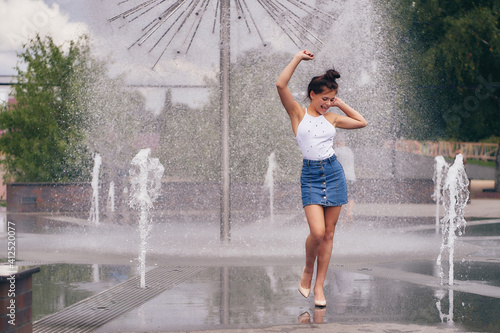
382	278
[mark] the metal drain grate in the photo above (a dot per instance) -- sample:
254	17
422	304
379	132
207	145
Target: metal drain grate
90	313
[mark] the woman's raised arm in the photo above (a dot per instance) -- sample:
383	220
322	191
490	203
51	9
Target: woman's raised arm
291	106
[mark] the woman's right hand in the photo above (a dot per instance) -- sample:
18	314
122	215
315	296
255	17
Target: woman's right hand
305	55
294	109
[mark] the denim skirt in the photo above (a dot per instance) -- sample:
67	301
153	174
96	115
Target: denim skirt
323	183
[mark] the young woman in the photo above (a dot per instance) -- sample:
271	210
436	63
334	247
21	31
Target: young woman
322	180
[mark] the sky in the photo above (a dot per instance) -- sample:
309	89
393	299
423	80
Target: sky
22	19
66	20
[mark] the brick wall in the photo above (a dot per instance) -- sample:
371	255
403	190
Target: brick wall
48	197
16	298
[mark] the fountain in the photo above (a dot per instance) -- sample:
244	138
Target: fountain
261	263
145	180
440	170
269	183
445	317
455	197
94	207
111	197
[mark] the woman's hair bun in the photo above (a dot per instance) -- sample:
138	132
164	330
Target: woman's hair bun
332	74
326	81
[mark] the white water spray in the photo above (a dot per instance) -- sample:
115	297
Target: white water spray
440	171
145	179
111	196
94	205
445	317
269	182
455	197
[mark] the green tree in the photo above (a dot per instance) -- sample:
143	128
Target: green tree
43	138
115	120
259	124
452	50
190	139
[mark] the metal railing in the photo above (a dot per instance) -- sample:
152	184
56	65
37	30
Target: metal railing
472	150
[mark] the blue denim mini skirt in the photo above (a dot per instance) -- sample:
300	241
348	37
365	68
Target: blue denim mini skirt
323	183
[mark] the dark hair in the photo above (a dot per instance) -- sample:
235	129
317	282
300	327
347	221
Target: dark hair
328	81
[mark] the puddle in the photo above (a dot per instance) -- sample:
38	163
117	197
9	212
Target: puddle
490	248
472	271
252	297
57	286
256	296
492	229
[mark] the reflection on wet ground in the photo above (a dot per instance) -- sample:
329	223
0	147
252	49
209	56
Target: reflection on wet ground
256	296
58	286
482	229
487	273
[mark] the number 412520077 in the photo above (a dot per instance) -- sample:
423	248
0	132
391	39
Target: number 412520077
11	243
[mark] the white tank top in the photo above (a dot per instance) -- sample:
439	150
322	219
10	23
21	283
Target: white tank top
315	137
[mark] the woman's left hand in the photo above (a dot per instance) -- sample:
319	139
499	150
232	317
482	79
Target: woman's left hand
336	102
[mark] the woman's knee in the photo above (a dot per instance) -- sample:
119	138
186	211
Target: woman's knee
328	235
317	236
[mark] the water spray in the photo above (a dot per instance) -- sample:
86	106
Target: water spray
440	171
269	182
111	196
145	181
94	205
455	197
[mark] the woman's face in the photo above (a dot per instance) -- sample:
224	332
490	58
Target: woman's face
323	101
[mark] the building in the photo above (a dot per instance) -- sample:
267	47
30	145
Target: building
6	83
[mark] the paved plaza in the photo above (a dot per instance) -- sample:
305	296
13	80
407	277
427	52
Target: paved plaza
382	277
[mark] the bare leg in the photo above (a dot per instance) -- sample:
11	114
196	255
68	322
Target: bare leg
315	215
325	251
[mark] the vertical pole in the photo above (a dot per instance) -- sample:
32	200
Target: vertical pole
224	94
497	165
394	137
224	296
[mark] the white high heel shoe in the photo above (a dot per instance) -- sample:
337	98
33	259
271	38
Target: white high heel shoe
320	304
305	292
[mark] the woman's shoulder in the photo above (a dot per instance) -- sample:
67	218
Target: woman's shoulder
331	117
